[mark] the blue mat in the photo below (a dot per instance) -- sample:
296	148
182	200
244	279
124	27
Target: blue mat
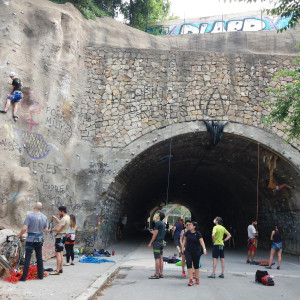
94	260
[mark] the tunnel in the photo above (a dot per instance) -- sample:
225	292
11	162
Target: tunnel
227	179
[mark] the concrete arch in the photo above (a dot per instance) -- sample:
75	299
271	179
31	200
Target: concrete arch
209	180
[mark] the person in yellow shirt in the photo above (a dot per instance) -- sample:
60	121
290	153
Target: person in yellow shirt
218	245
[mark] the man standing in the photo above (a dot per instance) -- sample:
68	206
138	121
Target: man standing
61	231
158	236
35	223
252	242
15	95
177	229
218	247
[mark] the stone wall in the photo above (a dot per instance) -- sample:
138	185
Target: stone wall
133	92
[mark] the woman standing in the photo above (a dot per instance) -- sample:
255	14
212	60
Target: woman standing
187	224
70	241
276	246
191	249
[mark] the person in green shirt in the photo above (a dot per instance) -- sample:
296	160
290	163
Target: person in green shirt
218	245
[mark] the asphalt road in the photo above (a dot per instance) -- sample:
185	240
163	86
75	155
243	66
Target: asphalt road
132	281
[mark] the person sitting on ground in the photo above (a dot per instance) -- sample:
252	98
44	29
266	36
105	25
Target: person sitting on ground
276	246
70	241
177	228
15	95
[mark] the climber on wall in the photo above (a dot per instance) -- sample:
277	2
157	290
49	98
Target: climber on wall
15	95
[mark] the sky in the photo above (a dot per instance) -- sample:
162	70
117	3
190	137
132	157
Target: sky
205	8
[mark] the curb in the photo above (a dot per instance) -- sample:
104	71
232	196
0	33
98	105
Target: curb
100	281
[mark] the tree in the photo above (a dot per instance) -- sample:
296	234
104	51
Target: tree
140	13
286	107
109	6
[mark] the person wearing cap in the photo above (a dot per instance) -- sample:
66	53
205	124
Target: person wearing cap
15	95
61	231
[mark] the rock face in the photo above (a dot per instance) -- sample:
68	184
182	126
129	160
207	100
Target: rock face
101	101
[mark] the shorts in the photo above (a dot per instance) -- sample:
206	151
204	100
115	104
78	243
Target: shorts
277	246
16	96
177	241
218	251
59	245
157	249
252	243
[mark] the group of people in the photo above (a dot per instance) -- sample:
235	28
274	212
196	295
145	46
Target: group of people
35	224
276	244
190	245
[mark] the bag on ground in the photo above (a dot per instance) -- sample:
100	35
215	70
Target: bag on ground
259	274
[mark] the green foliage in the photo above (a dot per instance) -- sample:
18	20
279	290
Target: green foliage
139	13
173	17
88	8
286	107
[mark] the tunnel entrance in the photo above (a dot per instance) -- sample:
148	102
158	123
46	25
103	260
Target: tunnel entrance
213	180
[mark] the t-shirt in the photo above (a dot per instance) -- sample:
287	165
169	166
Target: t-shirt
161	227
36	222
219	232
192	240
65	222
17	84
251	230
177	230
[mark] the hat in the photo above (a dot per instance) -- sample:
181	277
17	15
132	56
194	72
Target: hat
11	74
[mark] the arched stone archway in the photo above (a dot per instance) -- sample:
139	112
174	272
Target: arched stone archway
209	179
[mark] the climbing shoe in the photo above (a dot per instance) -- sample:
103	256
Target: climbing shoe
278	268
191	282
54	273
221	276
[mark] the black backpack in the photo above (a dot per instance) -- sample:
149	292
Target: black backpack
259	274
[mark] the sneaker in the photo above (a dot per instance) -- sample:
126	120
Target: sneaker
3	111
183	274
60	271
194	275
268	267
54	273
248	261
221	276
212	276
191	282
278	268
197	281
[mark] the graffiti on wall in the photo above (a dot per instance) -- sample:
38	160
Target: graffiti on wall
217	26
35	145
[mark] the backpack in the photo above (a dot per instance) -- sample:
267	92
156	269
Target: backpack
267	280
259	274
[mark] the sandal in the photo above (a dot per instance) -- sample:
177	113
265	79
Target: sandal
154	277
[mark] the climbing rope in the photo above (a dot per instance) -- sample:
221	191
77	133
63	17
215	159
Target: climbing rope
14	277
258	142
